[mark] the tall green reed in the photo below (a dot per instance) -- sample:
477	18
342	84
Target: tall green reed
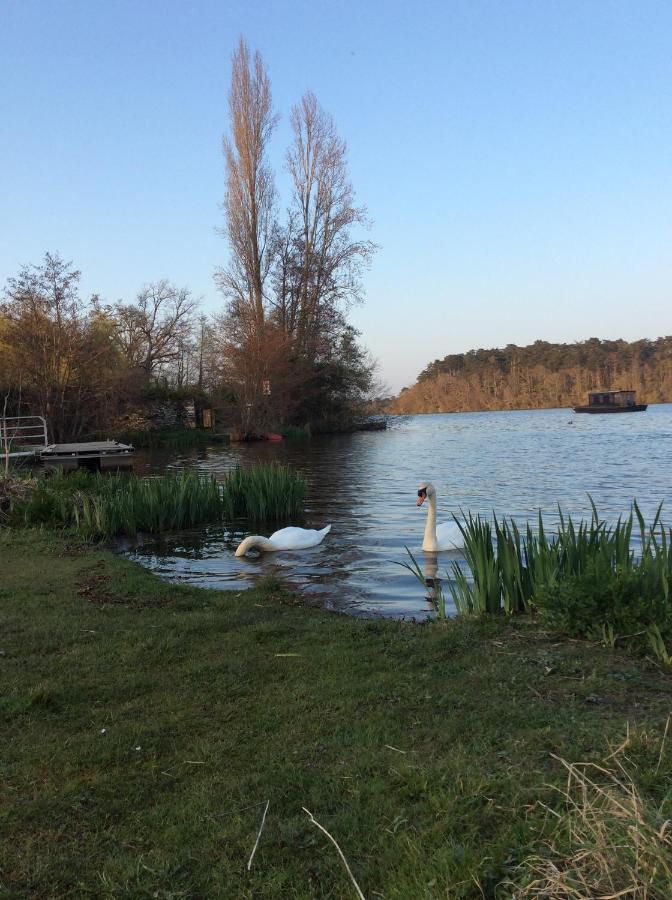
103	505
481	594
507	570
264	493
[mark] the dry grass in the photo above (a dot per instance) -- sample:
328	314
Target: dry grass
13	490
607	842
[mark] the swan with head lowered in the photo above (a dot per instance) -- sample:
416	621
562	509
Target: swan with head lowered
446	536
291	538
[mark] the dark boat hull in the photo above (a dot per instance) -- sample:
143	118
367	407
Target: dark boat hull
638	407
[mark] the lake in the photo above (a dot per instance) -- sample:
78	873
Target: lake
365	485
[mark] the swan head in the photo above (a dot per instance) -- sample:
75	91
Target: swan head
425	489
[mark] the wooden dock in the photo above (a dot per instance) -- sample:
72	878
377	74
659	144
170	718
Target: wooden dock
97	456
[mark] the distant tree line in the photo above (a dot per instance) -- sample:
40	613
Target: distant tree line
540	375
280	352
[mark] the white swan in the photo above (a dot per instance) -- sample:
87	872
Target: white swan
286	539
437	537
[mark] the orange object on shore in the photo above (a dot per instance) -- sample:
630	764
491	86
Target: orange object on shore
272	436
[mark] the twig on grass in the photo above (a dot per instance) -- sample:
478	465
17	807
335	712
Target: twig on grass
256	843
340	852
662	744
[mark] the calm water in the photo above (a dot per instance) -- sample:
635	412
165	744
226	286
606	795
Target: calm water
514	463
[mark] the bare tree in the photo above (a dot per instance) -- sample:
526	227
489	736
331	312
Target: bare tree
155	329
249	203
321	259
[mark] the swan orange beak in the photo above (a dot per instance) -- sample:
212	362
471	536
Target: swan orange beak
420	500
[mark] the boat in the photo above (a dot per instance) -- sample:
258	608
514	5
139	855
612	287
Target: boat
611	402
97	456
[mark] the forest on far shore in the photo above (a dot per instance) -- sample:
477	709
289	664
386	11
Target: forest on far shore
541	375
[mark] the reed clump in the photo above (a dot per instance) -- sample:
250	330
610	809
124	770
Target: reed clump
264	493
102	506
588	579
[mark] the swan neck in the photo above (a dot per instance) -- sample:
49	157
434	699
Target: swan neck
429	542
254	540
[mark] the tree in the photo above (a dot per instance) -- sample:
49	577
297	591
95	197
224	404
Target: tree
323	259
59	352
289	287
155	329
249	203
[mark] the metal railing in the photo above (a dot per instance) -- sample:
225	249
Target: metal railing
22	436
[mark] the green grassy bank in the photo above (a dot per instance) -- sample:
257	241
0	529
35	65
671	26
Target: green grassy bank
145	726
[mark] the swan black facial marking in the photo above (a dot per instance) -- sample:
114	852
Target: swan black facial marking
422	492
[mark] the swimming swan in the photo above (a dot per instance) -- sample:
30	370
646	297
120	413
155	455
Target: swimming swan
437	537
286	539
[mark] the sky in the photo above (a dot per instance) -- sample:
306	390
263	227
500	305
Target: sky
515	158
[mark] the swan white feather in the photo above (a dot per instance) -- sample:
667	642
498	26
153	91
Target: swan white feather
446	536
290	538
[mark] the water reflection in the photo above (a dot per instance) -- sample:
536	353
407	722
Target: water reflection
365	485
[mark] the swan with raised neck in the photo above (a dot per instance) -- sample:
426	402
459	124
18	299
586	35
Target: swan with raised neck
448	535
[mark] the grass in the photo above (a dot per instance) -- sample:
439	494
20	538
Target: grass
101	506
145	726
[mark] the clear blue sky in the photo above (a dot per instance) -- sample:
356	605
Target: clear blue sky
516	157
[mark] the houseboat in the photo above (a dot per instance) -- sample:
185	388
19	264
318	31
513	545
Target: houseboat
611	402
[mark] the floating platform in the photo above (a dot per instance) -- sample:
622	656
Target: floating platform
97	456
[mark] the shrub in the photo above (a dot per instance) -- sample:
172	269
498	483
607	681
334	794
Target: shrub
622	603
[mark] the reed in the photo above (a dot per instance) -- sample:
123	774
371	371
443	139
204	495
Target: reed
484	592
588	579
168	503
101	506
157	438
264	493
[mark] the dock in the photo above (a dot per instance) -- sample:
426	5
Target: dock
97	456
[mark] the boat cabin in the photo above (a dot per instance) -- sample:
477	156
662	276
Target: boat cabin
612	398
611	402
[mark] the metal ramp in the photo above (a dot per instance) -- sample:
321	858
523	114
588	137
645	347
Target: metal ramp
22	436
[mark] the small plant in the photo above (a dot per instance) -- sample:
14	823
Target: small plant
658	646
435	595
